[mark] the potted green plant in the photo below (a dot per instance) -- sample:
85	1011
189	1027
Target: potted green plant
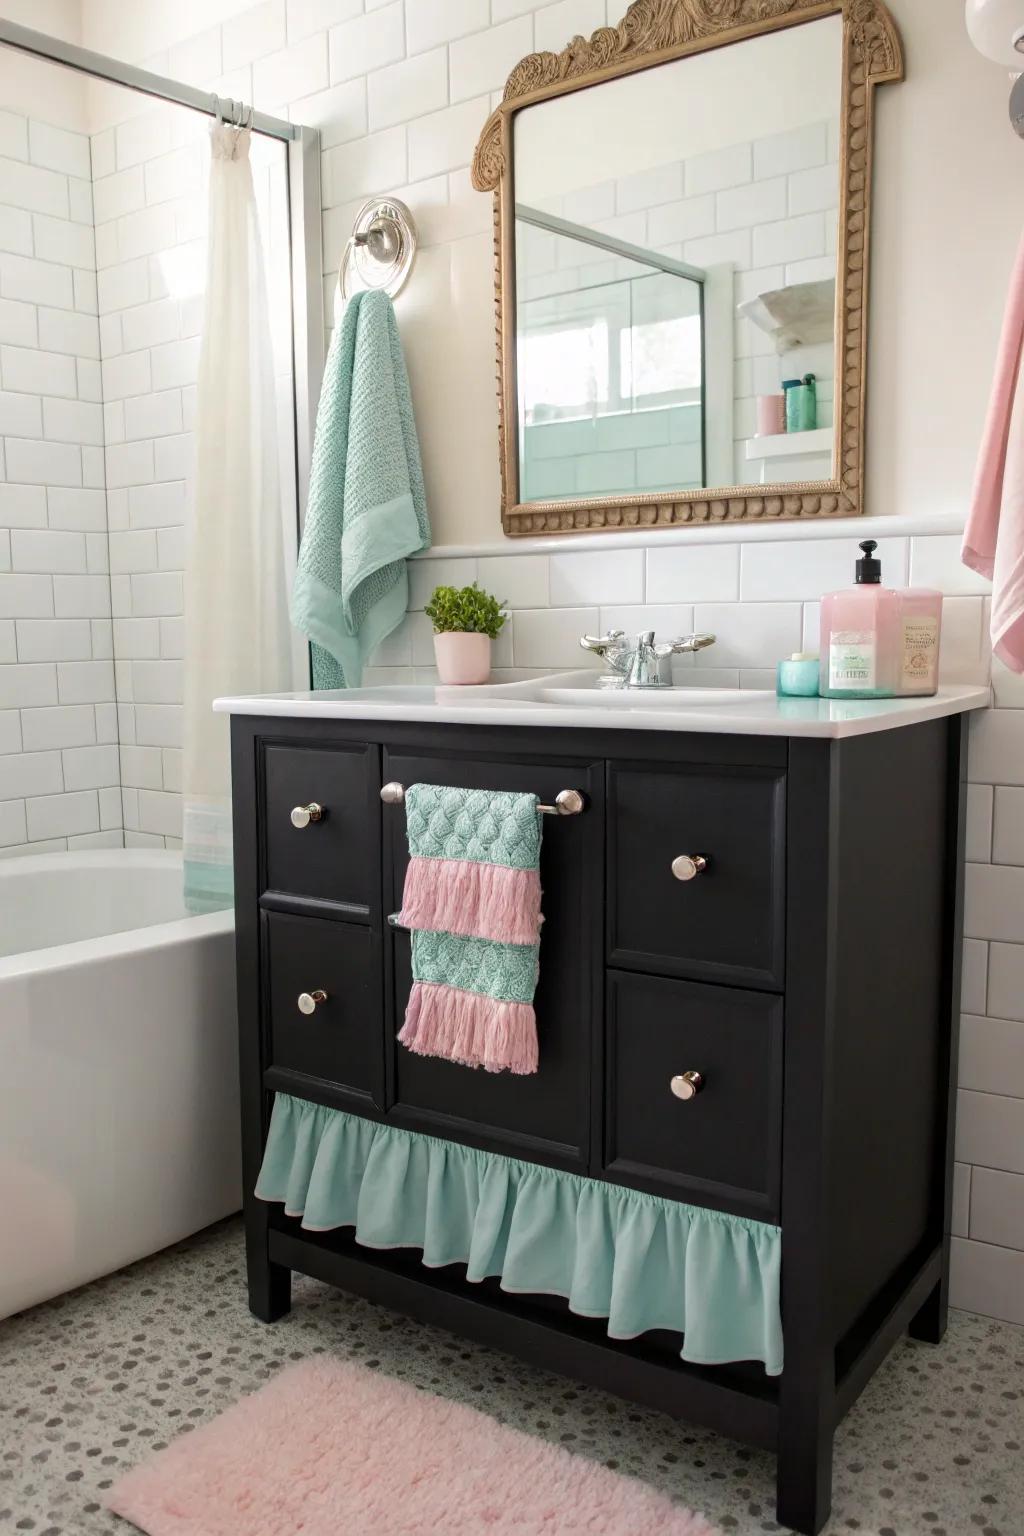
465	621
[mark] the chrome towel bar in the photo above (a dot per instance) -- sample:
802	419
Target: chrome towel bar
568	802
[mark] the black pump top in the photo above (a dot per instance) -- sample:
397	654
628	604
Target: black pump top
869	570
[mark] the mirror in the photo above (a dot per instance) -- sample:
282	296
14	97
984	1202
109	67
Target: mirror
682	236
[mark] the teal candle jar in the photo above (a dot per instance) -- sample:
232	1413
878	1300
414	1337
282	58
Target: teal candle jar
801	404
797	676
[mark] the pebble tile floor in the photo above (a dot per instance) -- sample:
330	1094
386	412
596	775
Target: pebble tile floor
95	1381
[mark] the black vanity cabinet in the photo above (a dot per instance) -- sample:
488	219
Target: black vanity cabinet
775	918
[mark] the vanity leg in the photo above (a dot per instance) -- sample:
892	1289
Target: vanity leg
929	1324
270	1286
803	1490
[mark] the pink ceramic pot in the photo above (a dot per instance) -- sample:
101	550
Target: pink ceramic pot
463	658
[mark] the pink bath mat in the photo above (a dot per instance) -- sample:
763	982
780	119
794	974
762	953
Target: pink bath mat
332	1449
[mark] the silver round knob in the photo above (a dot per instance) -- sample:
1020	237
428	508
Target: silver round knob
569	802
382	238
308	1000
687	1085
302	815
687	866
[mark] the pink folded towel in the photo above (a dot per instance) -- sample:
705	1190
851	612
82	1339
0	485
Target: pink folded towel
994	536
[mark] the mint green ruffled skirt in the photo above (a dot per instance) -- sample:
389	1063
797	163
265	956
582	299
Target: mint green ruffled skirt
615	1253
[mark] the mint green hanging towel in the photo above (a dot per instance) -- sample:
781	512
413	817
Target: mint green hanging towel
367	508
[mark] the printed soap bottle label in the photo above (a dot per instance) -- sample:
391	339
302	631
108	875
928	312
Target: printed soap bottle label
851	659
920	650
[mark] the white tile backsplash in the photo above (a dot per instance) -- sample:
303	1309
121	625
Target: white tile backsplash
992	1055
550	637
997	747
704	573
979	823
997	1208
987	1279
990	1130
994	903
595	578
798	569
1005	996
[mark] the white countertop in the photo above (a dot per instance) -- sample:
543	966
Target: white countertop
564	700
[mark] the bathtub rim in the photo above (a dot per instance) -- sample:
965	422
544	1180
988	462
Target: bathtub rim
129	941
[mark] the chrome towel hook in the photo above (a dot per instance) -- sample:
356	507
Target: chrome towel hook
380	250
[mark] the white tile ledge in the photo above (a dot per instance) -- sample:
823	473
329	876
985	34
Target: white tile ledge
855	528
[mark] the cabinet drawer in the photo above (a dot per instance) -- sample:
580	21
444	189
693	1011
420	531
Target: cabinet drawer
726	923
339	1042
333	858
720	1147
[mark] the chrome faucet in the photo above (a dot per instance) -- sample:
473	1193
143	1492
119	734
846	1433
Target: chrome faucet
638	665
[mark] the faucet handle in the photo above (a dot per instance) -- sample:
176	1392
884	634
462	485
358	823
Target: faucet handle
683	644
601	644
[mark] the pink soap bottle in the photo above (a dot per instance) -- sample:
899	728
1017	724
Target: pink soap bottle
860	630
876	643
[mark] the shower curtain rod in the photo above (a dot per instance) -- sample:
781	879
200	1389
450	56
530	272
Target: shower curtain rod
116	72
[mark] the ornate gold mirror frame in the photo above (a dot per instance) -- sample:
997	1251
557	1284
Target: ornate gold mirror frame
655	32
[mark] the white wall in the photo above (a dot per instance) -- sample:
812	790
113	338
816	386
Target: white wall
31	86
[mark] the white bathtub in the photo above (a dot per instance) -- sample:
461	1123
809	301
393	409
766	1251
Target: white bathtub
118	1067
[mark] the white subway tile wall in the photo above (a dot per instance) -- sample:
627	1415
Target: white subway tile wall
760	597
59	776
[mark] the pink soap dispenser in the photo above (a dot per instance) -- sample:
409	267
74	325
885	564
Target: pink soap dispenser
877	643
859	629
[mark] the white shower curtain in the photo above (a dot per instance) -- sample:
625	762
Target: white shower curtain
237	636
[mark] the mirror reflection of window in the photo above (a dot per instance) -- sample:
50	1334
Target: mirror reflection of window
610	363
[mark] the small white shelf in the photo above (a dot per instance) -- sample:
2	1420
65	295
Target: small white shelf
798	315
787	445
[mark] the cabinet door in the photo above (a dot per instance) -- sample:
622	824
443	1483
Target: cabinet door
726	922
721	1146
544	1116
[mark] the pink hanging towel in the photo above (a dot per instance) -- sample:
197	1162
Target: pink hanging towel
994	536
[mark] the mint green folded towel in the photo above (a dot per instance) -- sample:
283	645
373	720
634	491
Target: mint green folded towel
367	509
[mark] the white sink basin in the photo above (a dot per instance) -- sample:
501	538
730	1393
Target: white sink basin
650	698
580	690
